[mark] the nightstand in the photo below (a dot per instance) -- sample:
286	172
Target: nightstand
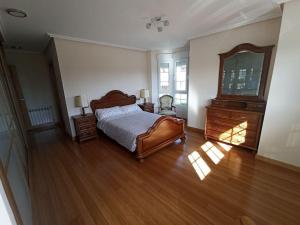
148	107
85	127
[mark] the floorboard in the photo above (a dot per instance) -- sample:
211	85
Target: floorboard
99	182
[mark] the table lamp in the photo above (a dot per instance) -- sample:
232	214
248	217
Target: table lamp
144	93
81	101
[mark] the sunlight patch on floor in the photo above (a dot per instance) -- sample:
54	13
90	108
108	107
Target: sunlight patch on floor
200	166
226	147
212	152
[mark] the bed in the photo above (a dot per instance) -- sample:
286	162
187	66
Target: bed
140	132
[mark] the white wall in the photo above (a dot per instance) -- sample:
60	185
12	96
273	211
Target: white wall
6	214
152	56
204	62
33	74
94	70
280	139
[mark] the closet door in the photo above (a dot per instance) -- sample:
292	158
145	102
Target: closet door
13	155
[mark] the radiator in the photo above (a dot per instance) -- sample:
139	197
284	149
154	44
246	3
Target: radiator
40	116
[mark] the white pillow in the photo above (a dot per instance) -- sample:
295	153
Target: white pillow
108	112
130	108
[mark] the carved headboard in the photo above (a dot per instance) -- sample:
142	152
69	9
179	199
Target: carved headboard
111	99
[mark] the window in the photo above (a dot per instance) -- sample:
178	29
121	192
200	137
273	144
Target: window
164	79
242	74
180	99
172	76
180	76
173	80
181	82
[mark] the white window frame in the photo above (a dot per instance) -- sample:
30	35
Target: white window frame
184	60
171	77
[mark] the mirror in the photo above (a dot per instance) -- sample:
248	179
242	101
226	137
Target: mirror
243	72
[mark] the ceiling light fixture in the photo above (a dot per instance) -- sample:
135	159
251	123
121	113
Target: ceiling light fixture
16	13
159	22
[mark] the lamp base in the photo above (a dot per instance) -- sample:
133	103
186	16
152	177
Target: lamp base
83	111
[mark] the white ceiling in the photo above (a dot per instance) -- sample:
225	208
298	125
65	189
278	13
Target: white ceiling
122	22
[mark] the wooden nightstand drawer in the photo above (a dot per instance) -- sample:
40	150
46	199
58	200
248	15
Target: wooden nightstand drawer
87	134
147	107
89	124
88	130
85	127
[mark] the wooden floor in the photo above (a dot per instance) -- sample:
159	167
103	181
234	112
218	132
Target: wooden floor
98	182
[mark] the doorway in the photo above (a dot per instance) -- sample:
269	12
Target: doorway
32	87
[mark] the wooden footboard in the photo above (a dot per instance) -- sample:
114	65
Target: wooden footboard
164	131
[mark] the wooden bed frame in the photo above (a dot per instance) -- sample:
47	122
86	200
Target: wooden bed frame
164	131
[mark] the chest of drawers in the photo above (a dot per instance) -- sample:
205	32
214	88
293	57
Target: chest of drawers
236	127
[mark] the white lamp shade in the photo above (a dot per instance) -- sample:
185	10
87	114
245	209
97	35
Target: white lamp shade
81	101
144	93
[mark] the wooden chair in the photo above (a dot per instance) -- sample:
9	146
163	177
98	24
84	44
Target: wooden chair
166	106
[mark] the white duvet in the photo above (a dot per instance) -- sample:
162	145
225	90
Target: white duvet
126	127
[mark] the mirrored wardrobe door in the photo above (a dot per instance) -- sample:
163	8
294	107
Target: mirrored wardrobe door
13	154
5	123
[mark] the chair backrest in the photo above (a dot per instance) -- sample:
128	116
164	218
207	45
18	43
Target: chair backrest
166	102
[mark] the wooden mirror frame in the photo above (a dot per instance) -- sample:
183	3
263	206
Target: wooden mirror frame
267	50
